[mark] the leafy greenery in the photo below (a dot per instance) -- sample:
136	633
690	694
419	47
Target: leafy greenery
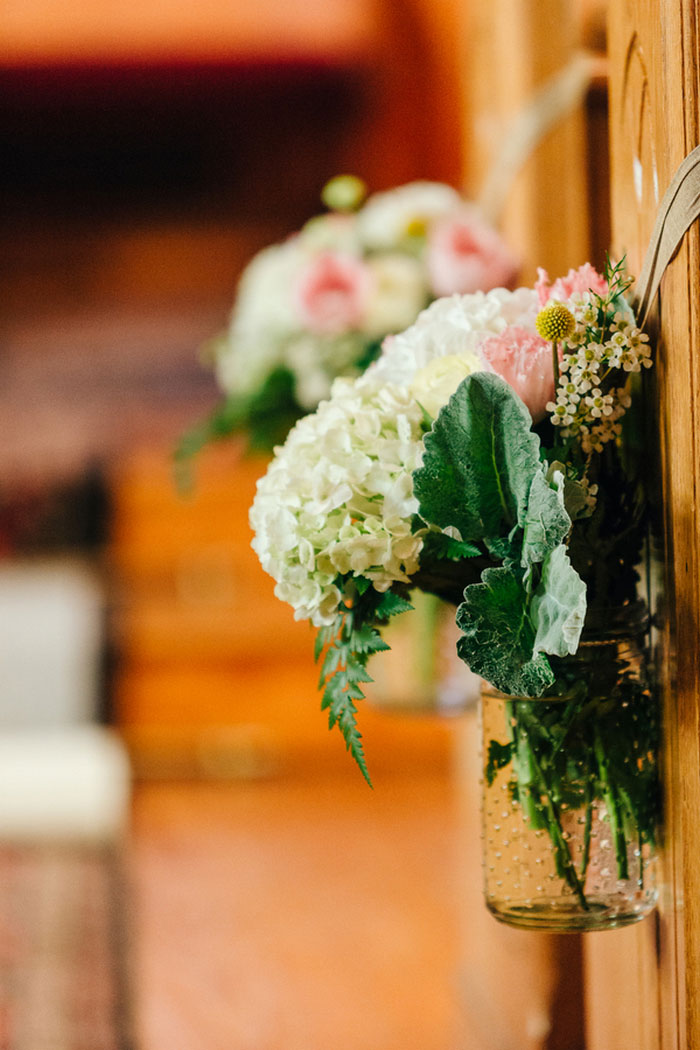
438	546
606	547
596	744
545	522
346	646
265	414
498	639
480	459
483	475
558	606
498	757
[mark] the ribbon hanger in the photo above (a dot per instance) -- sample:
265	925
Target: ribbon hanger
554	99
678	211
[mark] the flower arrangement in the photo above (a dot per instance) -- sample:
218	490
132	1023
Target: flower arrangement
490	455
319	304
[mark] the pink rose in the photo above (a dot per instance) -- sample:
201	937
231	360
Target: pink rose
585	279
332	292
524	360
465	255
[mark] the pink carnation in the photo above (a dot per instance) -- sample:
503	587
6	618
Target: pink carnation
585	279
465	255
524	360
332	293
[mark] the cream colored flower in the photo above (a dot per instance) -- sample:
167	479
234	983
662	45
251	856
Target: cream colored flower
394	216
399	293
437	381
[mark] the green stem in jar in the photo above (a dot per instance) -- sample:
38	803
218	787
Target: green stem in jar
541	795
640	836
525	769
612	804
588	824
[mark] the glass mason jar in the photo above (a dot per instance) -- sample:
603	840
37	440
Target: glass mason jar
570	788
421	672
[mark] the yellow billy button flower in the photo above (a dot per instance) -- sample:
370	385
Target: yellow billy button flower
417	226
344	193
555	323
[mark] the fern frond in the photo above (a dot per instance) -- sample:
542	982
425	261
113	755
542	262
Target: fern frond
346	646
389	605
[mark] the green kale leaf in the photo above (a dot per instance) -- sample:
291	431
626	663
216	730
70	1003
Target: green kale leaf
499	639
558	606
480	458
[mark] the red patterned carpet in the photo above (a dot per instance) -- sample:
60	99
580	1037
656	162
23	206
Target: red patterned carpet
62	973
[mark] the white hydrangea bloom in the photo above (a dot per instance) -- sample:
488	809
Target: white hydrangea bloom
453	326
338	498
390	217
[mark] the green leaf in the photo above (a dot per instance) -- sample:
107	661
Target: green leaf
437	546
499	755
498	639
480	458
339	699
367	639
348	643
224	420
390	604
331	662
325	635
357	672
504	548
545	522
558	606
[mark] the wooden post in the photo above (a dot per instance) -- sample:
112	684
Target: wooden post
643	983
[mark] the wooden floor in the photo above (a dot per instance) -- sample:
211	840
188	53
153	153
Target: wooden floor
297	914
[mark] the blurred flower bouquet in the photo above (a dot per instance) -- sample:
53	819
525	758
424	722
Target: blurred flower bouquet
491	456
319	304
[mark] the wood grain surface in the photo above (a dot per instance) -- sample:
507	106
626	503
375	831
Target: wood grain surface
644	983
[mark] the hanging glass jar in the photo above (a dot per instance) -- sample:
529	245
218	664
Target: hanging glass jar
570	788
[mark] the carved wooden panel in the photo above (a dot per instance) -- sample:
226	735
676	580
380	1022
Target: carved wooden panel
643	983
